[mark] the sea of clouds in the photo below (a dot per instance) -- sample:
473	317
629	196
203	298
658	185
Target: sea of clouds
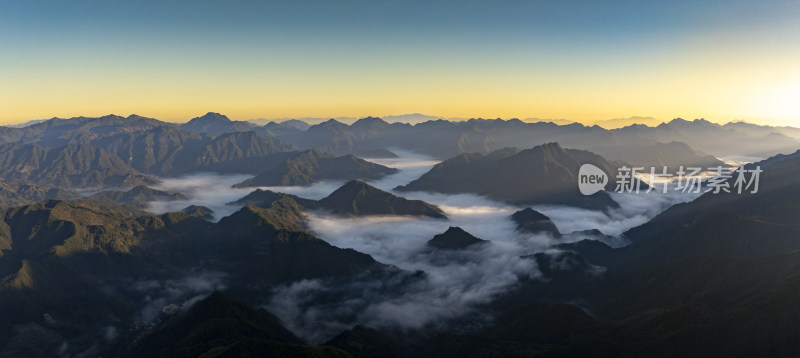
453	284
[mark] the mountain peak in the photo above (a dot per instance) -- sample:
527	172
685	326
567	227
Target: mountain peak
679	122
369	122
455	238
357	198
199	211
331	122
211	117
253	221
532	221
355	188
216	124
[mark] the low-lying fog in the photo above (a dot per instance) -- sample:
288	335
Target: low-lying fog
455	282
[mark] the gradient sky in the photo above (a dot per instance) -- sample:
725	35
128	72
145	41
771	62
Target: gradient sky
577	60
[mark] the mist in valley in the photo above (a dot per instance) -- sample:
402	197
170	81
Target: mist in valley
455	284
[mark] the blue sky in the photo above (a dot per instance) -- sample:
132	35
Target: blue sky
561	59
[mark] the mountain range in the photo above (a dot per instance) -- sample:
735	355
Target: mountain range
71	166
354	198
86	271
215	143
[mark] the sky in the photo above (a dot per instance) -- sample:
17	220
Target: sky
577	60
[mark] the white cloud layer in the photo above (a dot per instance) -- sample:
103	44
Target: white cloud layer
454	282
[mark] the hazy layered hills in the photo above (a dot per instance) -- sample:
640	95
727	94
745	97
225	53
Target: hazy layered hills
215	143
547	174
756	130
144	146
716	139
354	198
171	151
443	139
57	132
671	155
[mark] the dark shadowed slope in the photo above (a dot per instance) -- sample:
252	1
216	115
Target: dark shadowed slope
313	165
532	221
455	238
358	198
354	198
221	326
546	174
714	276
76	262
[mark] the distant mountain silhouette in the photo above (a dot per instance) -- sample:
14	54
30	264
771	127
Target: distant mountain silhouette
58	132
714	138
171	151
444	139
672	155
439	138
287	123
615	123
296	123
756	130
411	118
27	123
